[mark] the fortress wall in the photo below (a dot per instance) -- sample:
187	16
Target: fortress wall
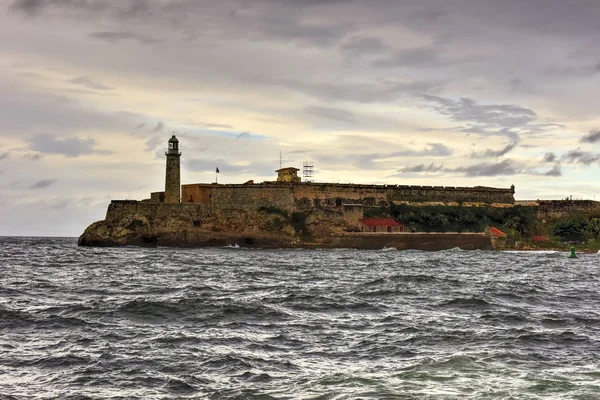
121	209
252	197
249	197
450	194
309	195
377	195
331	195
196	193
560	208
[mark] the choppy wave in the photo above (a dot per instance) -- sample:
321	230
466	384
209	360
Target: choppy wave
133	323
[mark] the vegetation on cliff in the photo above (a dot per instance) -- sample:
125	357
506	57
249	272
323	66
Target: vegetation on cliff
517	220
281	219
576	229
521	223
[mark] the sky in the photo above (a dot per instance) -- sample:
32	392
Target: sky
412	92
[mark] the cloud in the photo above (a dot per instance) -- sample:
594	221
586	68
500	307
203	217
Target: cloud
505	167
581	157
423	168
412	57
243	135
43	183
555	171
370	91
33	112
152	143
432	149
375	160
489	153
259	168
120	36
86	7
215	126
336	114
549	157
69	146
593	136
4	156
358	46
494	115
33	156
160	127
507	120
89	83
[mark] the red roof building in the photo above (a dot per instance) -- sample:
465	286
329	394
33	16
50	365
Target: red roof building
380	225
496	232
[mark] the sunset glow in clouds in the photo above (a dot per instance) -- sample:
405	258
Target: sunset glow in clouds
423	92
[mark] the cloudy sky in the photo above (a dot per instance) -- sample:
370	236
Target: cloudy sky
425	92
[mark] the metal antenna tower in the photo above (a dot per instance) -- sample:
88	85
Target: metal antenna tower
308	171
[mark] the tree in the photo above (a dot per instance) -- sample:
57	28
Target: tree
594	227
572	229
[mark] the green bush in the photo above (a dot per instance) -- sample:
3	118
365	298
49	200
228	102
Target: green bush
573	229
277	224
517	220
299	222
136	224
273	210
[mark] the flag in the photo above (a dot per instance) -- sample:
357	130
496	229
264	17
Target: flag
218	170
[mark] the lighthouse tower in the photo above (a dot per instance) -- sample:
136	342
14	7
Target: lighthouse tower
173	179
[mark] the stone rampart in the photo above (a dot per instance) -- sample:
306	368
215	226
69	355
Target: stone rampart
331	195
417	241
119	209
310	195
248	197
549	209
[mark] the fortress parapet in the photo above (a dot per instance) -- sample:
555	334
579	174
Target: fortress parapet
289	193
308	195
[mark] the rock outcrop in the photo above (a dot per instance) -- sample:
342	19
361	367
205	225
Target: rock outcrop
195	225
163	224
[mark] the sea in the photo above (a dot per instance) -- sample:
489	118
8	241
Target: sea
235	323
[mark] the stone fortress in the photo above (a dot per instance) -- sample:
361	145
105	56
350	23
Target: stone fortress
289	193
285	212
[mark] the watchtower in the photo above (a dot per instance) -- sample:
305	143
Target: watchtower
173	178
289	174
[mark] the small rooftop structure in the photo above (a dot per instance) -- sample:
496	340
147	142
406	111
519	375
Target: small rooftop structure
288	174
380	225
496	232
379	222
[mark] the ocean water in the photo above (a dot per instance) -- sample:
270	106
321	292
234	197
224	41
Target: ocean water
138	323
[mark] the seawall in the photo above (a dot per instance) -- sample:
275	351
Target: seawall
416	241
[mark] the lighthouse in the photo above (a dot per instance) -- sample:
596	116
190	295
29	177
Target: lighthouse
173	179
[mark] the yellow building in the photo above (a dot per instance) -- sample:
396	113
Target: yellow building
289	174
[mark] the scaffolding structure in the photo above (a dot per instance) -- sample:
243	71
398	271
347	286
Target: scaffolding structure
308	171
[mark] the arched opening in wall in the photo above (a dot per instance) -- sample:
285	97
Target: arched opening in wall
317	202
304	202
389	228
338	202
374	228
